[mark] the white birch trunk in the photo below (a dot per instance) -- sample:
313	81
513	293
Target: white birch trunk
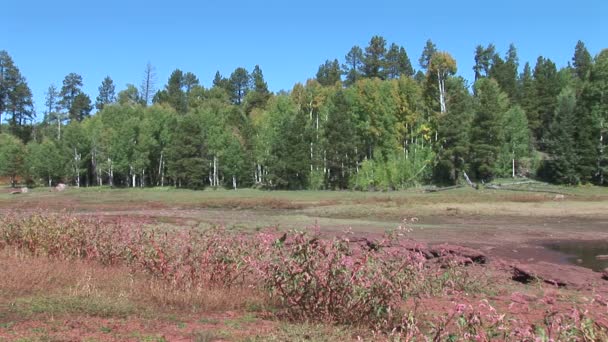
513	167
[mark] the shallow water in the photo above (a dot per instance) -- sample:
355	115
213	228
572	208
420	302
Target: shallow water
583	253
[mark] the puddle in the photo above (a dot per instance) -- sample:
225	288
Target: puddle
582	253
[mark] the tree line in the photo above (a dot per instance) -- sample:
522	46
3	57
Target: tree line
370	122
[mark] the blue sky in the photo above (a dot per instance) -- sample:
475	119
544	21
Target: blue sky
49	39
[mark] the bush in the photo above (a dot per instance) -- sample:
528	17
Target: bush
327	280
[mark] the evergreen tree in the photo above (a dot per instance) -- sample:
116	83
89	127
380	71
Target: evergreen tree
592	124
259	95
486	131
505	72
405	65
240	83
563	159
81	107
353	66
374	58
453	153
527	97
289	148
546	89
582	61
189	81
329	73
15	96
70	89
106	93
12	153
187	158
483	60
398	63
220	82
340	142
427	53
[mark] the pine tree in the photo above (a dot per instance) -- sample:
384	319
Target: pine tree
374	58
483	60
70	89
582	61
259	95
81	107
15	96
340	142
592	124
352	68
106	93
505	72
240	83
526	98
563	159
427	53
546	89
329	73
451	159
486	131
12	153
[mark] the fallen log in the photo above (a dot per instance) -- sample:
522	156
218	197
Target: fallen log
443	188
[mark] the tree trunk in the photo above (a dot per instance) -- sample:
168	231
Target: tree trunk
234	182
111	173
215	176
513	167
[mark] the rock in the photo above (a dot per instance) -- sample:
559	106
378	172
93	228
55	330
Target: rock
559	197
25	190
60	187
554	274
522	274
15	192
605	274
474	255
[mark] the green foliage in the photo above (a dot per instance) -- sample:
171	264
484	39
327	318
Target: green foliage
106	93
353	66
289	159
516	142
592	124
12	153
400	171
329	73
453	149
546	89
563	160
340	142
582	61
487	134
373	58
15	97
44	161
187	153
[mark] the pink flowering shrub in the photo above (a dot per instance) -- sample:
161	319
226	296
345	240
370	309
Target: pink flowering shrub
327	280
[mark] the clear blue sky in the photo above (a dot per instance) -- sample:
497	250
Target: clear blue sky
289	40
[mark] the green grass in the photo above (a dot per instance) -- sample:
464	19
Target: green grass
69	305
306	332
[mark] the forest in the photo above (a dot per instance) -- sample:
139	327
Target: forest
367	122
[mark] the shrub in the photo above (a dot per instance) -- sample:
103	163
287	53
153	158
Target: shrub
327	280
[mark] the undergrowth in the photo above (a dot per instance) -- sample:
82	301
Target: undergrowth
307	278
